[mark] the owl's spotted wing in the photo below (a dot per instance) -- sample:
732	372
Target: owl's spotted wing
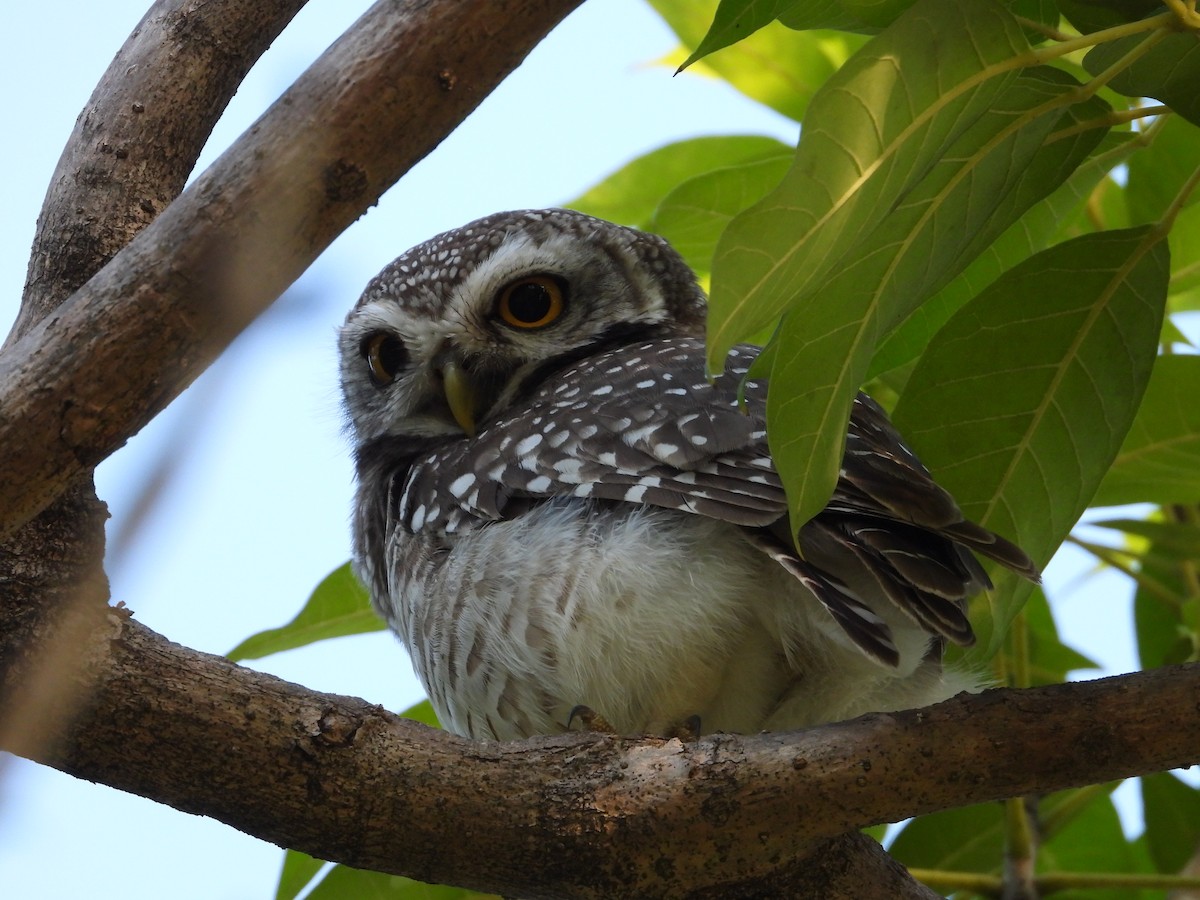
639	424
642	424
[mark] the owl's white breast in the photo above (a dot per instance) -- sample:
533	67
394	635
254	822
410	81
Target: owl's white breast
649	616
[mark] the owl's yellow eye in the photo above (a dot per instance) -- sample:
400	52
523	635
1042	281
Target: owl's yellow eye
531	302
385	355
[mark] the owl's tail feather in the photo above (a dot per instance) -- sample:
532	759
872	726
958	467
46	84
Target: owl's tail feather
869	632
851	561
992	546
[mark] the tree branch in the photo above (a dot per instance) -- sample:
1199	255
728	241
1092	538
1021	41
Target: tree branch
75	386
78	377
585	815
132	149
137	139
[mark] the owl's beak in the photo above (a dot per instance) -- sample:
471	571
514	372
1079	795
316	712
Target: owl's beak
460	395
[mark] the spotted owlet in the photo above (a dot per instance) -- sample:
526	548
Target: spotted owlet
557	509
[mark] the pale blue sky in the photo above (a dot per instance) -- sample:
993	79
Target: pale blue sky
256	511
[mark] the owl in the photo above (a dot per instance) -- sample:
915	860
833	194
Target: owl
556	509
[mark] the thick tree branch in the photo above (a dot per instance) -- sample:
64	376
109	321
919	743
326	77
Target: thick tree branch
137	139
76	385
132	149
584	815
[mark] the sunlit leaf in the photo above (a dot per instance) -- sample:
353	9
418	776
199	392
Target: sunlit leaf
874	130
1179	537
1168	72
1158	172
845	15
299	869
775	66
1159	462
736	20
989	176
1022	400
631	194
1185	257
422	712
693	215
339	606
1172	821
1045	12
345	883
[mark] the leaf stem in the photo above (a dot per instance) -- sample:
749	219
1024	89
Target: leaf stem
949	882
1164	21
1020	846
1185	12
1066	810
1177	204
1182	274
991	885
1185	515
1115	117
1112	556
1058	881
1042	28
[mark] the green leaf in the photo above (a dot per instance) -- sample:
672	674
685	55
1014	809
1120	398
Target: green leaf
969	839
736	20
1020	403
1159	461
1172	821
990	175
299	869
848	15
1185	257
1091	842
1157	176
345	883
775	66
1091	15
422	712
874	130
1161	636
338	607
1164	604
1174	536
1169	72
1158	172
693	216
631	194
1036	230
1050	660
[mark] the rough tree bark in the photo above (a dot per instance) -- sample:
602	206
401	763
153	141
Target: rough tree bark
101	346
589	815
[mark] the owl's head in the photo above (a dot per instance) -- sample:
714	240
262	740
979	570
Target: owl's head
457	328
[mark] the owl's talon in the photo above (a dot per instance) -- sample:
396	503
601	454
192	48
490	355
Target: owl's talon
687	730
592	720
